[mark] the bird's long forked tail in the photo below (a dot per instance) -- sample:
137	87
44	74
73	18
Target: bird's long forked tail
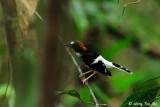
122	68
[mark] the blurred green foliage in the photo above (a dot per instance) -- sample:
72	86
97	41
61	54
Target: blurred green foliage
117	47
85	94
127	46
27	72
100	93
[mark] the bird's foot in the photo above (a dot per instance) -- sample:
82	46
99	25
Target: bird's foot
80	76
84	81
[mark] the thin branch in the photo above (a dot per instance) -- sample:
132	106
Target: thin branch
124	7
39	16
75	62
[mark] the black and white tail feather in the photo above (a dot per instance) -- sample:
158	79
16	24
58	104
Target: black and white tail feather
122	68
111	64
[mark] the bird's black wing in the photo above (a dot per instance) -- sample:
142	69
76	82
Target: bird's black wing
101	67
89	57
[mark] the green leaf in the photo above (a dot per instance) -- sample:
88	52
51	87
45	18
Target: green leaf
73	93
149	83
158	96
141	97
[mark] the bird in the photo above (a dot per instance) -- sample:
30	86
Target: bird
94	61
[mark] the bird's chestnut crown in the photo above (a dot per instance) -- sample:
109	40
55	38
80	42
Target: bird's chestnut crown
77	46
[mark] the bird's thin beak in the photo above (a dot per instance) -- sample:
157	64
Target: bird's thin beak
69	45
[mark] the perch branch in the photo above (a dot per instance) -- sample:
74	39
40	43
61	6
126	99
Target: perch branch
124	7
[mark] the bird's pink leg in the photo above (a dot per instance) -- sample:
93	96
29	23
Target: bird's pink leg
88	77
80	76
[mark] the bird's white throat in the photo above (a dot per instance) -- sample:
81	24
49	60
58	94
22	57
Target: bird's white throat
78	54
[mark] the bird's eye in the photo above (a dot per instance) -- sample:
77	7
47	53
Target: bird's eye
72	42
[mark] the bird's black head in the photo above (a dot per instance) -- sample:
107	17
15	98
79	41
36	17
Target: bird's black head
77	46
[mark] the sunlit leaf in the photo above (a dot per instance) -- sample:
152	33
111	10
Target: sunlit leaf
3	90
141	97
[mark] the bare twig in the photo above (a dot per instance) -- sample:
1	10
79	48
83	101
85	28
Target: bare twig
75	62
124	7
39	16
